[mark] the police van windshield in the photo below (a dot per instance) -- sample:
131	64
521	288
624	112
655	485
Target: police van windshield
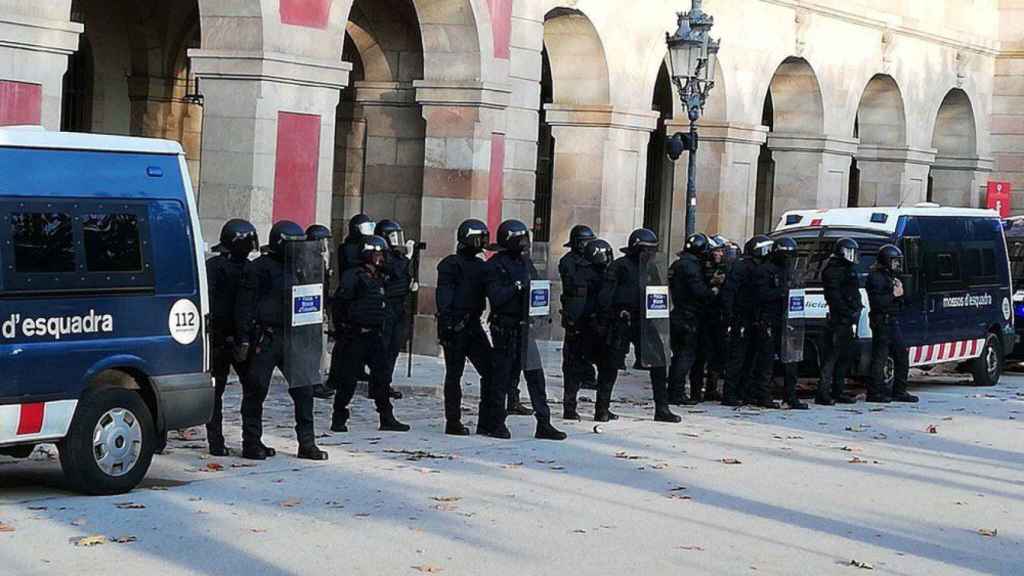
1015	246
814	247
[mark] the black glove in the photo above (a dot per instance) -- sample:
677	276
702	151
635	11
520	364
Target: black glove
241	352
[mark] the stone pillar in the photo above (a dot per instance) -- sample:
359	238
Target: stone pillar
960	181
893	176
810	171
726	180
252	103
33	59
465	123
600	171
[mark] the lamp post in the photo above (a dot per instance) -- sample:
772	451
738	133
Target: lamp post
693	58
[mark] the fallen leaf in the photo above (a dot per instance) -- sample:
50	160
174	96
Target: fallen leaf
558	468
362	515
257	530
446	498
679	497
691	548
989	532
948	418
428	569
158	488
214	467
89	540
862	565
37	508
730	461
6	527
931	429
130	506
79	522
124	539
290	503
579	531
850	449
858	460
626	456
677	489
242	465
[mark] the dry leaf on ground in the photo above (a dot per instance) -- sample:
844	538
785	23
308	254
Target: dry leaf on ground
858	460
989	532
130	506
862	565
428	569
290	503
94	540
931	429
730	461
691	548
6	527
446	498
124	539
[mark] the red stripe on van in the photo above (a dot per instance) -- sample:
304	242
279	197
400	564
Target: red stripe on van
31	420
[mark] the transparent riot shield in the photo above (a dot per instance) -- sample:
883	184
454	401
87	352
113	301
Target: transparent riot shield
652	346
791	344
537	311
304	305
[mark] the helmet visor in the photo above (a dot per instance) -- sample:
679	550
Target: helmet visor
850	255
896	265
366	228
396	239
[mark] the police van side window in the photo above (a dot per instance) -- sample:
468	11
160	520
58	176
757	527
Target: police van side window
941	240
112	243
43	242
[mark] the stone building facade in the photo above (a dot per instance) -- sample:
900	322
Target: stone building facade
552	111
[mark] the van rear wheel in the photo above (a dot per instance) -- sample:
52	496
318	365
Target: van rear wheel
110	443
988	367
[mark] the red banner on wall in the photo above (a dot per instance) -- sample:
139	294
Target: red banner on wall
501	27
297	166
308	13
20	103
998	197
496	189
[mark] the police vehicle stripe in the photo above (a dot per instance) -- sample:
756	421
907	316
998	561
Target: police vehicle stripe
945	352
36	421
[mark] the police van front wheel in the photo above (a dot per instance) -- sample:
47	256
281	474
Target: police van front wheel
988	367
110	443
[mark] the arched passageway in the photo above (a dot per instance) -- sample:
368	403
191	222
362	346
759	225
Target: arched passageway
955	179
883	172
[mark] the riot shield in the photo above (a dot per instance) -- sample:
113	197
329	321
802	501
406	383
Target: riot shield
791	344
537	311
304	305
652	345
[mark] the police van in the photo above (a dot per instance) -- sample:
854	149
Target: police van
102	302
957	305
1014	230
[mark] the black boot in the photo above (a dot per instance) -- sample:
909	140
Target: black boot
545	431
845	399
876	398
603	414
456	428
733	402
767	403
322	392
311	452
268	451
499	431
395	393
570	414
388	422
219	450
662	413
516	408
339	421
794	403
254	452
904	397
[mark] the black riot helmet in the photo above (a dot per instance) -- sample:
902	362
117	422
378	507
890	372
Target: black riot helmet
371	250
846	249
321	235
641	240
392	233
284	231
783	250
698	244
890	258
579	236
238	237
360	225
513	236
758	247
473	236
598	252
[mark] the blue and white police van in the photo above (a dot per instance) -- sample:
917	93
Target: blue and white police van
1013	228
958	299
103	302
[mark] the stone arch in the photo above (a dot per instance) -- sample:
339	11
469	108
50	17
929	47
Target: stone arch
956	176
457	38
880	174
881	116
232	25
579	66
796	100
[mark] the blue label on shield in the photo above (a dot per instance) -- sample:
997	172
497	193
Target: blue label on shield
306	304
657	302
796	303
539	298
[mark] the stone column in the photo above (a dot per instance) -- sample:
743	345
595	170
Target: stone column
810	171
34	49
462	176
960	181
726	180
252	103
600	171
893	176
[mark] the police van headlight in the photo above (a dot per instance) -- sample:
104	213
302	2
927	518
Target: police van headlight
1018	296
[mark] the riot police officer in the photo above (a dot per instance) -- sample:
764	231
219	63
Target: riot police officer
360	315
260	317
741	294
397	287
623	305
842	294
885	295
224	271
509	274
595	343
360	227
773	310
712	349
461	299
690	295
577	276
322	235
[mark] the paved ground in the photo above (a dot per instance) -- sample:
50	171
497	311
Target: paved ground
725	492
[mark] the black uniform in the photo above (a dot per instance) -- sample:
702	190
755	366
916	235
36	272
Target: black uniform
773	315
741	296
461	299
690	295
224	278
580	288
887	338
712	348
260	316
397	287
348	253
842	294
360	314
509	308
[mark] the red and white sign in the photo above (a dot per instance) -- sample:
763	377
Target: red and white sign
20	103
297	166
998	197
946	352
36	421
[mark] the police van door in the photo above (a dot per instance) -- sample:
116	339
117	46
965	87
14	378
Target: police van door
941	239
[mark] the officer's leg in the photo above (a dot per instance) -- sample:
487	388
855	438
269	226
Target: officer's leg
346	364
700	360
454	368
844	352
828	365
763	345
220	367
607	373
898	349
505	366
255	385
572	361
734	368
684	355
537	388
302	399
879	355
376	354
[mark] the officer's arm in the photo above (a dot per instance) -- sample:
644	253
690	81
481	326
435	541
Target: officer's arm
345	296
500	289
245	303
879	293
607	296
832	283
447	275
694	278
733	281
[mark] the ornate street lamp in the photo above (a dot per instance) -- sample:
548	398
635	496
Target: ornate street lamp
693	57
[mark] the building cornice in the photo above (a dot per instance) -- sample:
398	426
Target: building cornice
456	93
269	67
600	116
38	35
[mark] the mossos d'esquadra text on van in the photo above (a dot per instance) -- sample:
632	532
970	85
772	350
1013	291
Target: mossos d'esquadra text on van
967	301
56	327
